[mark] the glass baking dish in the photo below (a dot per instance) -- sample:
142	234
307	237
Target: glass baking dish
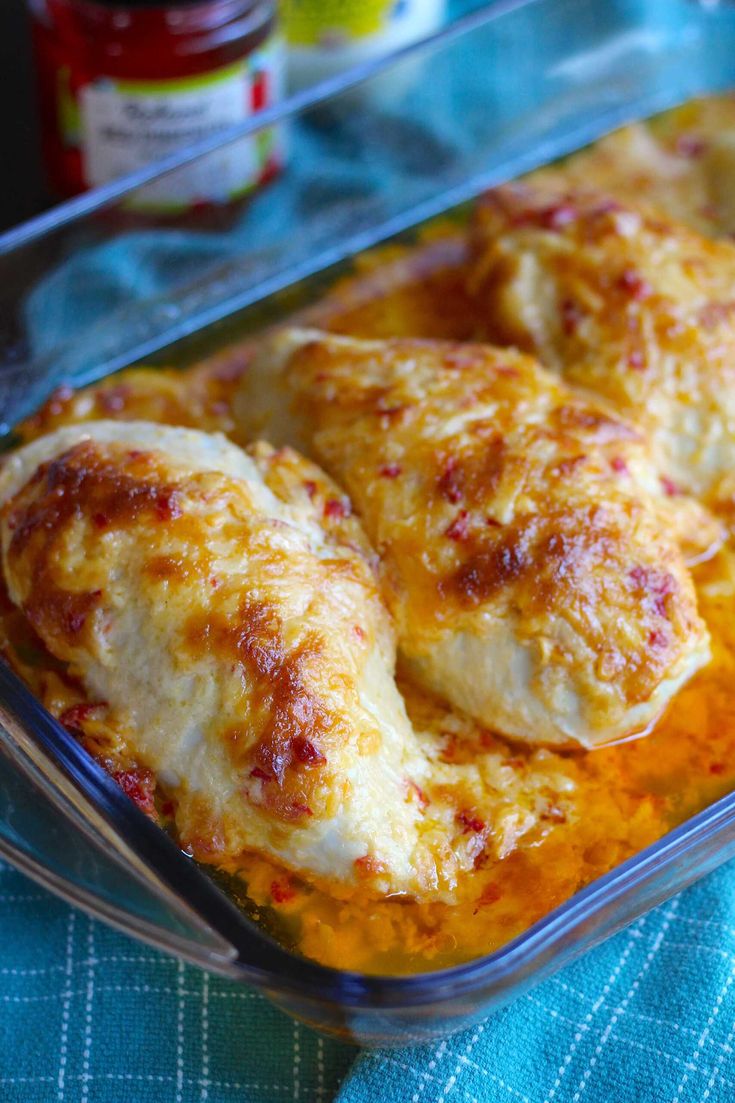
401	140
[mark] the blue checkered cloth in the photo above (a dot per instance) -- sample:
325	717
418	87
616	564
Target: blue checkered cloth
88	1016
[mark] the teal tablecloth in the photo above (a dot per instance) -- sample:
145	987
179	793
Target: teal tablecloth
87	1016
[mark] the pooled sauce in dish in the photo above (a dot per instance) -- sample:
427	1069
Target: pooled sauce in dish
567	816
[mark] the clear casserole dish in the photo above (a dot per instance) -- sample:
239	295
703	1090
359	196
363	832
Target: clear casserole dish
548	94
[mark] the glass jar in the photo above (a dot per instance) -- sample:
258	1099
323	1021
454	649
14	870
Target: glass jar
125	82
325	37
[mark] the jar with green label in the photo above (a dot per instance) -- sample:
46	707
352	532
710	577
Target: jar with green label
326	36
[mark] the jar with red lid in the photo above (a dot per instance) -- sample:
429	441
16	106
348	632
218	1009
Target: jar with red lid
125	82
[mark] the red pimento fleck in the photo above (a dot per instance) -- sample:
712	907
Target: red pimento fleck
459	358
306	753
717	768
557	216
390	470
282	892
233	368
337	508
470	823
656	584
459	528
205	847
168	808
75	715
261	774
690	145
669	486
214	582
76	621
167	506
634	284
310	487
554	814
492	523
450	481
114	400
368	864
657	638
139	785
449	750
300	810
618	464
59	399
607	206
567	467
714	314
420	794
571	316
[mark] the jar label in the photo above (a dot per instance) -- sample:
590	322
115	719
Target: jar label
325	37
127	124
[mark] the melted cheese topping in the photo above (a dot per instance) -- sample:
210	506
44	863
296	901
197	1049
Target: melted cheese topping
221	613
525	546
245	655
626	304
681	164
535	825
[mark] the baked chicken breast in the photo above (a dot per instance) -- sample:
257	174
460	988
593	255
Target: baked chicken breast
681	164
526	552
628	304
228	625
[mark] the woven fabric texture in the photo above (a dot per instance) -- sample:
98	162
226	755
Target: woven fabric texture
88	1016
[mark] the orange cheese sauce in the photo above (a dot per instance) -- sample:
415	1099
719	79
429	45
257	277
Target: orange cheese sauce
623	797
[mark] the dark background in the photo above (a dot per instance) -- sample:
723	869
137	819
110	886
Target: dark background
23	190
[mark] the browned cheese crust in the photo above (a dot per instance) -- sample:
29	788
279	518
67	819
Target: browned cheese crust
527	553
